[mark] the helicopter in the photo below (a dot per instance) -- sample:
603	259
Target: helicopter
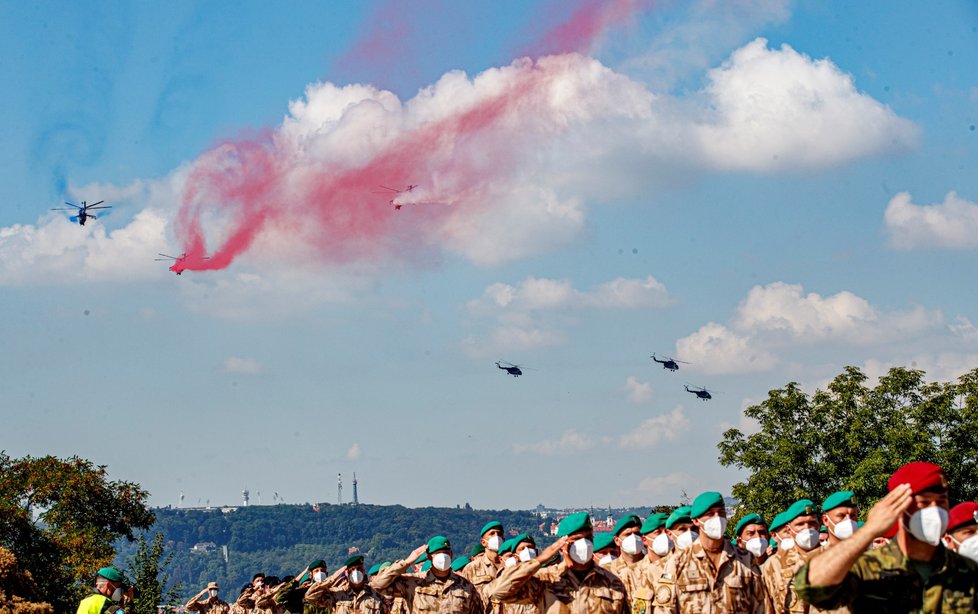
83	211
512	369
178	266
669	363
700	392
397	206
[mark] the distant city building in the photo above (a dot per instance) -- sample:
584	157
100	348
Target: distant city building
204	547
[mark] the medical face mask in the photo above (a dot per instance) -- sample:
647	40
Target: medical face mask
807	539
685	540
661	545
581	551
608	558
929	524
441	561
117	594
844	529
493	543
213	593
510	562
756	545
786	543
714	527
968	548
355	577
319	576
527	554
633	544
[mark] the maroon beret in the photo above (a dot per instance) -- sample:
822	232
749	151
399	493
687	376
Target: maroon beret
962	515
920	475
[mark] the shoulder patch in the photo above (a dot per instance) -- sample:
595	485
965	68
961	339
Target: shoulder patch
663	594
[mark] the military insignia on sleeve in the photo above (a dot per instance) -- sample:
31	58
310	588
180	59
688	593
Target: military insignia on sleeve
663	594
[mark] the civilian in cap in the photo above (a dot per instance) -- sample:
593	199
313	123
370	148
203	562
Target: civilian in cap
212	605
605	549
840	515
962	530
914	572
290	595
801	526
712	575
108	592
484	567
628	536
437	591
751	534
577	585
354	596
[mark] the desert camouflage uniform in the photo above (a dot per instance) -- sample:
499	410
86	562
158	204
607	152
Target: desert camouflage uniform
342	598
649	572
777	573
265	603
217	606
630	575
884	580
562	590
691	584
481	572
425	593
524	599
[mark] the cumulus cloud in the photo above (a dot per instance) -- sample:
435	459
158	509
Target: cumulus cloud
354	453
570	441
653	431
716	349
938	366
664	485
952	224
636	391
243	366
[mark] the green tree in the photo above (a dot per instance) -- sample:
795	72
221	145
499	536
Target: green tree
147	570
852	437
60	519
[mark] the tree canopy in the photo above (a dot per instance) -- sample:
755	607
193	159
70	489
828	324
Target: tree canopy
852	437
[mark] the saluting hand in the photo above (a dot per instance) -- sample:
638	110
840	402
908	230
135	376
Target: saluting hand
888	510
550	551
418	552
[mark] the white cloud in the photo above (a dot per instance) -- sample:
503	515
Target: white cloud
636	391
244	366
570	441
354	453
648	434
964	329
716	349
952	224
665	485
937	366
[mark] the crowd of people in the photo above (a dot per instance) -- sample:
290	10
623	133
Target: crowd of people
914	553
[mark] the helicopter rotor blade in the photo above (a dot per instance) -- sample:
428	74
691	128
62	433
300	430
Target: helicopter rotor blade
73	205
93	204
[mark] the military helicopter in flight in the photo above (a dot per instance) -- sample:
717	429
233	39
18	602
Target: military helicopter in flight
178	266
669	363
700	392
512	369
83	211
394	191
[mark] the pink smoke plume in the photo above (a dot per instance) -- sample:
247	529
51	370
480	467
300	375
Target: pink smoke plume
252	185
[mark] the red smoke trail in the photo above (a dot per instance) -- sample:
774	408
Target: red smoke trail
586	25
254	185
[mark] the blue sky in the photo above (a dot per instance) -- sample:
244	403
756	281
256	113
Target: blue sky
770	191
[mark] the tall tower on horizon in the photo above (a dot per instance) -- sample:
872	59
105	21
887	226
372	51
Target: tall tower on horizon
244	494
339	489
355	500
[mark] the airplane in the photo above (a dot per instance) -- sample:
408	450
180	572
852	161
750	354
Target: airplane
669	363
512	369
701	393
83	211
178	266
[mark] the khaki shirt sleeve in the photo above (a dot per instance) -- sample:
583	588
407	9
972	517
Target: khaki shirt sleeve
386	578
666	599
245	600
193	605
507	586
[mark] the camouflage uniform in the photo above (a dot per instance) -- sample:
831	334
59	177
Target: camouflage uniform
630	575
884	580
216	606
344	599
561	590
777	573
524	599
691	584
481	572
649	572
290	596
425	592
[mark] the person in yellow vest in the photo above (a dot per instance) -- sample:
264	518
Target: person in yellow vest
108	593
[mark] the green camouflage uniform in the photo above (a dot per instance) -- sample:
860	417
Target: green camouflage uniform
884	580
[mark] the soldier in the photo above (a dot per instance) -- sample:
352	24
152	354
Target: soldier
680	527
577	585
779	532
657	543
777	572
108	592
752	535
653	565
484	567
962	530
247	597
840	515
606	550
628	537
438	591
914	572
212	605
712	575
354	596
290	596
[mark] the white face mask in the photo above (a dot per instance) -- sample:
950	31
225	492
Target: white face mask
786	543
714	527
527	554
510	562
355	577
685	540
319	576
807	539
844	529
493	543
608	558
213	593
117	594
756	545
633	544
929	524
581	551
661	545
441	561
968	548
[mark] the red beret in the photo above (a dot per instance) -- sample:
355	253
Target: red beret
892	530
920	475
962	515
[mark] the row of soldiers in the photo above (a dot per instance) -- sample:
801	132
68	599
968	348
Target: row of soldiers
924	560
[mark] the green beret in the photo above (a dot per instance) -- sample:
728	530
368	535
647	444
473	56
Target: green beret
477	549
426	566
838	499
523	537
654	522
573	523
460	562
777	522
746	520
385	565
492	524
438	542
507	546
626	521
704	502
111	574
374	570
422	558
356	559
602	540
678	515
317	563
802	507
